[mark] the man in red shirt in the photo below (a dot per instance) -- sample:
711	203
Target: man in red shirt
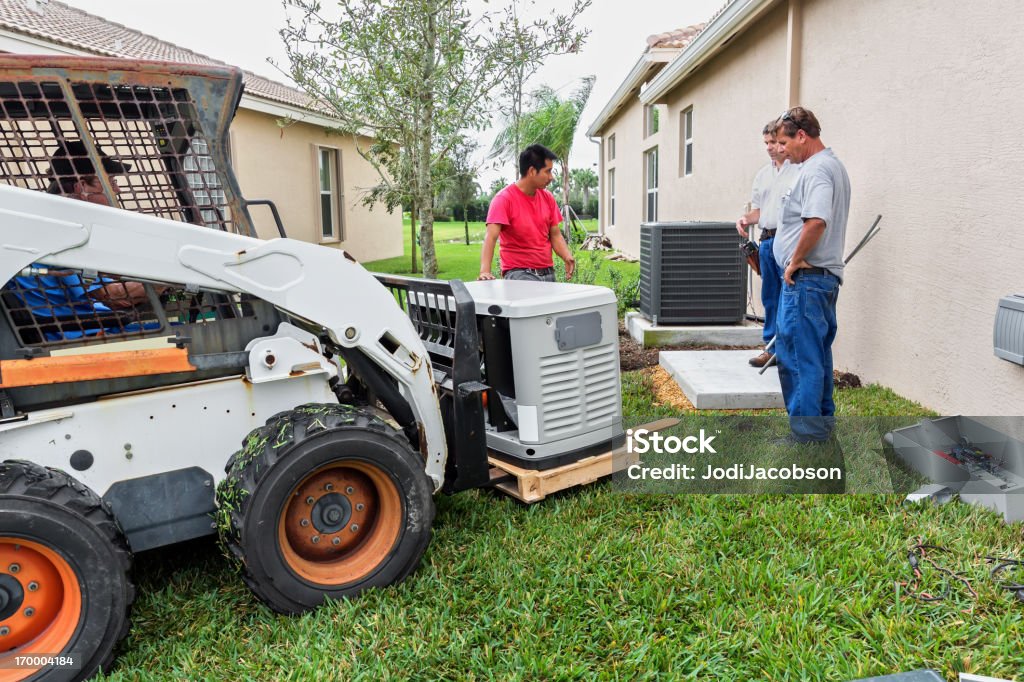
524	219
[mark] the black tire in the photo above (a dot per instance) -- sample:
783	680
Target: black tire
371	506
47	516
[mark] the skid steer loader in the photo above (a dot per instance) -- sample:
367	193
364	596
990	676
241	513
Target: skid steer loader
145	331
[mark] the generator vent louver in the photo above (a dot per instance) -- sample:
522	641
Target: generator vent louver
579	390
692	272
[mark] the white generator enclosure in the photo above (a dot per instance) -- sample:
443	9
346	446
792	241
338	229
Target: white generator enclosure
552	361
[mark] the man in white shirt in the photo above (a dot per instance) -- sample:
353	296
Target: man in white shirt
770	184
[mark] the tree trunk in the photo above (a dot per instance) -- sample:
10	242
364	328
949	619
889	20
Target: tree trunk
565	181
424	180
427	239
415	262
465	220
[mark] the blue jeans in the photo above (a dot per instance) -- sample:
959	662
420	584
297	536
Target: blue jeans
806	330
771	288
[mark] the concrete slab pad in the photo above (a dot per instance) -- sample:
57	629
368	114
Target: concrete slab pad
647	334
722	379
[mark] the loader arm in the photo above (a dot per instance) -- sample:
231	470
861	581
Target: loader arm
324	291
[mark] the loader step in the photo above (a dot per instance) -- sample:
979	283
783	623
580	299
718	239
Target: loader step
533	485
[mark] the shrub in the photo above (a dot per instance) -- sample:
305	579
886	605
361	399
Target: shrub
477	210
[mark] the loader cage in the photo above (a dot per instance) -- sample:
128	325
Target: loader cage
445	316
154	134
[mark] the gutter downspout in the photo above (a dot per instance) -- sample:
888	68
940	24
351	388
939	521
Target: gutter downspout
794	47
600	183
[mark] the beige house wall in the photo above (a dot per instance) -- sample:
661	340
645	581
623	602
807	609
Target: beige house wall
732	96
630	144
923	105
280	164
920	100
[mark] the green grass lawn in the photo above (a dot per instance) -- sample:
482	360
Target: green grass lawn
593	583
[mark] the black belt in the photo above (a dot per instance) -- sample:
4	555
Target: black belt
812	271
767	234
536	271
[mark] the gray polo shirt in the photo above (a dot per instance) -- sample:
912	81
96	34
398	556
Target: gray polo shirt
822	190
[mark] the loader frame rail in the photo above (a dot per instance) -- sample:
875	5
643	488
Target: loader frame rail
444	315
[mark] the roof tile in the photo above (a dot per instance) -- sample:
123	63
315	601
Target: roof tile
69	26
677	39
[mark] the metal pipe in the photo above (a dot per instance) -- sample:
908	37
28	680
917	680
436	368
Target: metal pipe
868	236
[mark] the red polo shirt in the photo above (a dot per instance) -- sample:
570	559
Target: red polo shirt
526	224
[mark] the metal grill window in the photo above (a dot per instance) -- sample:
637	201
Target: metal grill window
64	307
34	116
150	142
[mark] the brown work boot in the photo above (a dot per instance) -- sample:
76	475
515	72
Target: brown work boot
761	360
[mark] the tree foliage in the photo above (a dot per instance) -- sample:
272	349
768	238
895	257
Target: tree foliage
550	121
459	186
407	78
582	181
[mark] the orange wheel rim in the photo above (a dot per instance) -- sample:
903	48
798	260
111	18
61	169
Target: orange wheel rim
340	522
45	590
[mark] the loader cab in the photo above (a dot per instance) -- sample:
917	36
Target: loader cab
146	137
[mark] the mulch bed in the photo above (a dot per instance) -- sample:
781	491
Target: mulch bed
633	356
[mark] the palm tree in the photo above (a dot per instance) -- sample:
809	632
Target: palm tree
583	180
552	122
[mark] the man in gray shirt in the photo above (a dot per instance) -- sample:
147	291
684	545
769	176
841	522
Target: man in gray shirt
809	249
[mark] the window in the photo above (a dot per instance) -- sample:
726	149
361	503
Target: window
328	170
651	182
686	133
611	147
611	197
203	181
651	125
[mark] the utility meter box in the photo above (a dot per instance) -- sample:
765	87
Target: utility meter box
552	362
1008	335
963	455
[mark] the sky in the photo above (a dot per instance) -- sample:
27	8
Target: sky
244	33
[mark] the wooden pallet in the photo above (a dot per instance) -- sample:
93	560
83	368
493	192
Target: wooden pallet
533	485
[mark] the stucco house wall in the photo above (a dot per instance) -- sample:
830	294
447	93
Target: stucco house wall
628	128
924	109
280	164
732	96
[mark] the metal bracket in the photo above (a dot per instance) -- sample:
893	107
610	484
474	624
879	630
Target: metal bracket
935	492
469	388
30	352
180	341
7	411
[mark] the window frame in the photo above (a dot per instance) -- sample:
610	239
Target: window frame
611	197
651	191
686	146
652	120
611	147
334	191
